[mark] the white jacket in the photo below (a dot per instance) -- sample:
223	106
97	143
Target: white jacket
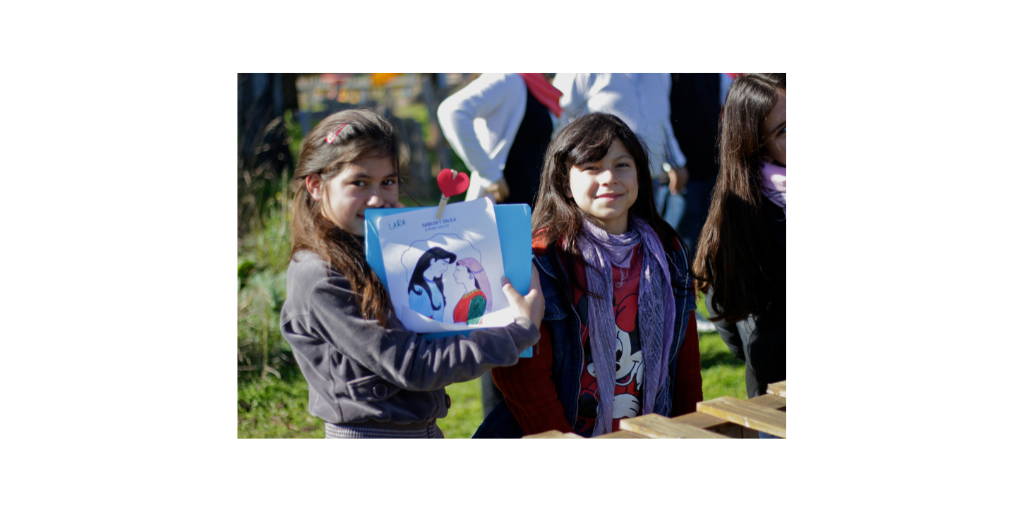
480	122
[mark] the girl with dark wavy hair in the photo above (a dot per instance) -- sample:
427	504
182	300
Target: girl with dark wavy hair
619	298
741	254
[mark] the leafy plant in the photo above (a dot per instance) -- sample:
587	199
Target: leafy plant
263	256
276	407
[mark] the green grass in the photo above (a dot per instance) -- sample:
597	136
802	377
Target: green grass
467	412
722	374
276	407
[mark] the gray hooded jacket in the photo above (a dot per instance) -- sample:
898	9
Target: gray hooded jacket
359	371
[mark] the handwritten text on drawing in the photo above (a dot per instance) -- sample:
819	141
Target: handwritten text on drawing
437	224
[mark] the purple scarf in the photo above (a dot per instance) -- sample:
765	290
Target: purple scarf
773	184
656	309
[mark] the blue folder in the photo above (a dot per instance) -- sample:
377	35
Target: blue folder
513	231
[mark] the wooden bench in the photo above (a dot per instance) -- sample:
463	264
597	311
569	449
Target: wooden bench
721	418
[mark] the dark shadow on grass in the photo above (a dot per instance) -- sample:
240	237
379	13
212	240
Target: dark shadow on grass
720	358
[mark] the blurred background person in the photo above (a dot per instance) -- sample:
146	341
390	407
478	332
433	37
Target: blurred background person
500	125
696	101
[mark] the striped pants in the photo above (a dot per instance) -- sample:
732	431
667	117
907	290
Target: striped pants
383	430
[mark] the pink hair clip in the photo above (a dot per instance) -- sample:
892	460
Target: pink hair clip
332	136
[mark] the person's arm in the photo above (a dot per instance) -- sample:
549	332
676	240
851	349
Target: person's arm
689	385
677	179
678	176
456	114
530	391
404	358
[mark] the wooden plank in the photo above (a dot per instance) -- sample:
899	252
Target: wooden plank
778	388
554	434
712	424
750	415
657	426
732	430
621	434
726	428
700	420
771	401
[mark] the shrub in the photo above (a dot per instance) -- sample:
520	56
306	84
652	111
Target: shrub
262	269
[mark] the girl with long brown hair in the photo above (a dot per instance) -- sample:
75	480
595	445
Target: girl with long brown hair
617	292
741	254
368	376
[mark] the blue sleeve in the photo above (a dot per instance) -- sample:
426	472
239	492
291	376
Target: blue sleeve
419	301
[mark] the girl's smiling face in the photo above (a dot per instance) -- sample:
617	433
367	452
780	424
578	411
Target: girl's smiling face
775	130
606	189
365	183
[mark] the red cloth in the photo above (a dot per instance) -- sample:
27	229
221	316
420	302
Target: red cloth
461	313
689	385
530	392
545	93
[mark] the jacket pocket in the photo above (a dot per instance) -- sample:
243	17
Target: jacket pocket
371	388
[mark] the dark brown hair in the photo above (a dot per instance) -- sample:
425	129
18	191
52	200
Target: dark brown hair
734	238
586	140
366	135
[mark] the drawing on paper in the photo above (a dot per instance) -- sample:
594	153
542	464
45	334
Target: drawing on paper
447	282
426	287
441	273
476	301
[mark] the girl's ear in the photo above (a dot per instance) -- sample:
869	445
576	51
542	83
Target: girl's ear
313	184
